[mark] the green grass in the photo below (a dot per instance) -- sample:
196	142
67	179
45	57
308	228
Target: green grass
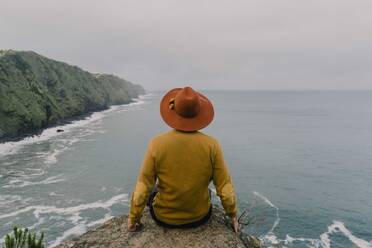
22	238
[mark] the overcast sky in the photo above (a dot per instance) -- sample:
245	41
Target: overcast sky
249	44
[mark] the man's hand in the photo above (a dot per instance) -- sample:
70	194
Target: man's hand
235	224
134	227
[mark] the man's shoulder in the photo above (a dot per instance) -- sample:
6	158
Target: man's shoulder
209	138
159	137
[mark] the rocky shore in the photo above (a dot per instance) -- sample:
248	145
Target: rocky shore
217	233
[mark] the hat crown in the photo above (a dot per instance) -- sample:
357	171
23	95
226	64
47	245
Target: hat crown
187	103
186	110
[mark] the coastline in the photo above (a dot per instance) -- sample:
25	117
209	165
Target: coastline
61	123
7	144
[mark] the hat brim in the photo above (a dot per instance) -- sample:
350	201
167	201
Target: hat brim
200	121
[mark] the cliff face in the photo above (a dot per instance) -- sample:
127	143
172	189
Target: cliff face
216	233
36	92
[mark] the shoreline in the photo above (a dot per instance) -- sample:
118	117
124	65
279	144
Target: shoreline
63	122
12	146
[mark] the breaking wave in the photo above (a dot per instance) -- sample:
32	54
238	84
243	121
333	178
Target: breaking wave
271	240
18	183
71	214
12	147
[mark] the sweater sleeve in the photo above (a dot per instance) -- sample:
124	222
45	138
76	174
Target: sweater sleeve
222	182
145	183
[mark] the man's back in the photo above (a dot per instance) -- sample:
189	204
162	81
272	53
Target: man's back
184	163
184	166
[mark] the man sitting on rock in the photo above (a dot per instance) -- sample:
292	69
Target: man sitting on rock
179	165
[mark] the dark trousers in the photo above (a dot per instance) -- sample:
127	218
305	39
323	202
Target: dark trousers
187	225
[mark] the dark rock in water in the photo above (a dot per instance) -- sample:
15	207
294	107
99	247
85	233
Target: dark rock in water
60	130
217	233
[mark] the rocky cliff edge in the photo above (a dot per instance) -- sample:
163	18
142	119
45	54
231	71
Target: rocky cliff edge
114	233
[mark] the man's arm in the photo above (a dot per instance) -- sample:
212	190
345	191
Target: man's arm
145	183
222	182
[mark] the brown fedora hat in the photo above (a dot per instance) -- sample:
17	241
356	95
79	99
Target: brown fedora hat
186	110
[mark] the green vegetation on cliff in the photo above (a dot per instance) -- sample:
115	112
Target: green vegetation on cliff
36	92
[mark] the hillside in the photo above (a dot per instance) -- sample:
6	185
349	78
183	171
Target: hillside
36	92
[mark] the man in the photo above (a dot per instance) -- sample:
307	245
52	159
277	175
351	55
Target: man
179	165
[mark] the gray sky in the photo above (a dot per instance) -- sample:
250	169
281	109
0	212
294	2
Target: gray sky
250	44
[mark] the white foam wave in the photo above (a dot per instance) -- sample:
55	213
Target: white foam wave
76	230
22	176
18	183
339	226
6	200
41	209
51	157
324	241
8	163
107	217
277	220
12	147
38	223
16	173
32	172
271	240
80	226
314	243
79	229
72	214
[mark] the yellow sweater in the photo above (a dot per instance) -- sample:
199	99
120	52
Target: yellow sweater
184	164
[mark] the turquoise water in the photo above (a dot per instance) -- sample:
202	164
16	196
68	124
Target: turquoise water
301	162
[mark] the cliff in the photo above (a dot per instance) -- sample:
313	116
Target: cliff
217	233
36	92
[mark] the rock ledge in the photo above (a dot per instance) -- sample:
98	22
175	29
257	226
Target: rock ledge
113	233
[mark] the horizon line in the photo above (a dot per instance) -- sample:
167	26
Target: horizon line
255	89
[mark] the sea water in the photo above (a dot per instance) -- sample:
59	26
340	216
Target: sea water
301	162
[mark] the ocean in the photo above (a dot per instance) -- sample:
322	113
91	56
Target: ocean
301	163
